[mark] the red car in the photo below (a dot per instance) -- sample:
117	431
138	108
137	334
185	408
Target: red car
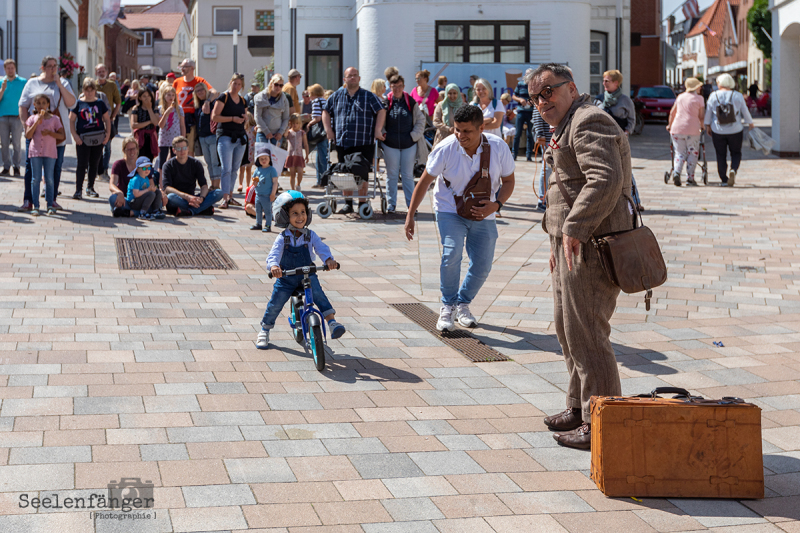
654	102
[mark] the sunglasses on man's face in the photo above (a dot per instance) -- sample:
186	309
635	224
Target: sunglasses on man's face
546	93
181	148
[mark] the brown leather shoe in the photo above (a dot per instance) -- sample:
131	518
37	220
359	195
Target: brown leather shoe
564	421
580	438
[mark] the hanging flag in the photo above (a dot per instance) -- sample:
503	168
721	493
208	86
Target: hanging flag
110	12
708	29
691	9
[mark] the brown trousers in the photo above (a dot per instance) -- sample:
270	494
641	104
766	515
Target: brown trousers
584	302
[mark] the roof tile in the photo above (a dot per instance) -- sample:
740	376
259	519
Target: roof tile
167	23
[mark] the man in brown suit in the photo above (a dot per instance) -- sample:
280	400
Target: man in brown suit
591	155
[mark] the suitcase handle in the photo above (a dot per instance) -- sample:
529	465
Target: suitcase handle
669	390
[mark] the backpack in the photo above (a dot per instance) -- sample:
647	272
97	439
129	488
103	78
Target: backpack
213	125
726	113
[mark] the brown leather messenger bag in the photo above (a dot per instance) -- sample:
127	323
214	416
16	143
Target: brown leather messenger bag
631	259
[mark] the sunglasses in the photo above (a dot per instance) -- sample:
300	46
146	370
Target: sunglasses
147	168
277	85
546	93
181	148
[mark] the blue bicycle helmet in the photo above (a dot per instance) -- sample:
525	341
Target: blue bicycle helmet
283	203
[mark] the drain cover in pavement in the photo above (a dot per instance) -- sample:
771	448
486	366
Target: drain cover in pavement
172	254
459	339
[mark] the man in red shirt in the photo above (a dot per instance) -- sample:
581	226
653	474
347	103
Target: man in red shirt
184	88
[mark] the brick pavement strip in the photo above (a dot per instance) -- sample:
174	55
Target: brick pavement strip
154	374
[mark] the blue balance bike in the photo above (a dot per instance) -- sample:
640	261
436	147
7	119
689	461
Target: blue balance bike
305	319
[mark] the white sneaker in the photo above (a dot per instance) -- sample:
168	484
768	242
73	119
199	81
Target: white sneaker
445	322
465	318
263	340
731	178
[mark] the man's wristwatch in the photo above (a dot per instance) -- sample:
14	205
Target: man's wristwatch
500	205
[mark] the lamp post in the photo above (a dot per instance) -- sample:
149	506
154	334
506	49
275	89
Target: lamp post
293	33
235	51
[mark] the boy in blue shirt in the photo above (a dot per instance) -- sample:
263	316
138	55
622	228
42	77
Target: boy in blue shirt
143	194
265	182
297	246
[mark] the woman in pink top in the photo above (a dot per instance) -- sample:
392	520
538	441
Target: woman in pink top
685	126
425	94
45	131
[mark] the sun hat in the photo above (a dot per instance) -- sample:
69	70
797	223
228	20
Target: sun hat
692	84
141	162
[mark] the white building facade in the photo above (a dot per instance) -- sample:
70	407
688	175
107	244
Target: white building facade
92	49
786	76
38	28
494	38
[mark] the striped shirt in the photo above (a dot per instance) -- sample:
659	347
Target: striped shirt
353	117
540	127
316	106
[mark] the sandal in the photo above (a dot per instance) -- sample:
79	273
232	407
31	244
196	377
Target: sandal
232	201
224	204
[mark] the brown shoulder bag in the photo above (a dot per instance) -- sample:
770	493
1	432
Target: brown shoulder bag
479	187
631	259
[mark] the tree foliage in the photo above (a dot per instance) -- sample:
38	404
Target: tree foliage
759	17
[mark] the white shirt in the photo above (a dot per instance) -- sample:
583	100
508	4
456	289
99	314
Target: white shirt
490	111
449	160
36	86
317	247
739	107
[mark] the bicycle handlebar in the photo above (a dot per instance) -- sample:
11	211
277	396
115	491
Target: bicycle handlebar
312	269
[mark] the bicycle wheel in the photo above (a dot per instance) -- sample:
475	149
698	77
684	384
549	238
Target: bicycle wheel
317	343
297	310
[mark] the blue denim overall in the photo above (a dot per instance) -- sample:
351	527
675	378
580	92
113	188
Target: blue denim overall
293	257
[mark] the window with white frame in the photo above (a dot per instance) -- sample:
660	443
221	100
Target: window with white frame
227	19
147	38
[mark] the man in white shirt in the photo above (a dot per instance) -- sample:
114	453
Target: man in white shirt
453	163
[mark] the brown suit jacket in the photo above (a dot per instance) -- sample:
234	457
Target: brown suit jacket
593	158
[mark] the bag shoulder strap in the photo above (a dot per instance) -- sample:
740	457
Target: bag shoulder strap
483	172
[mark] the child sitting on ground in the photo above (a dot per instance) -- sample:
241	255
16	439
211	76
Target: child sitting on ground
265	182
295	247
143	194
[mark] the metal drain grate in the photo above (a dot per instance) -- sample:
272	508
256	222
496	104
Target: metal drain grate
172	254
459	339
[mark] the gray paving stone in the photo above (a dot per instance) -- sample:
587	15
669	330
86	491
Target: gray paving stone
22	478
717	513
163	356
23	380
321	431
418	487
163	452
218	495
402	509
549	502
171	404
447	383
540	439
226	388
432	427
494	396
60	391
165	389
159	523
295	448
373	466
734	376
227	418
462	442
527	383
357	446
446	463
292	402
268	432
482	383
102	405
259	470
558	458
415	526
50	454
204	434
457	372
633	386
446	397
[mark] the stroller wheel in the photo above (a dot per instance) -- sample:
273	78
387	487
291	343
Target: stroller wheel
383	206
666	177
365	210
323	210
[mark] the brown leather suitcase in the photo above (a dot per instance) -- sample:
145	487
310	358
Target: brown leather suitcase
684	447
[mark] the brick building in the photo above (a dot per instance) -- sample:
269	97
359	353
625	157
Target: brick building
122	54
647	66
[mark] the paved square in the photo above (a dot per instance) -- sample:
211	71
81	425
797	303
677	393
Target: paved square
107	374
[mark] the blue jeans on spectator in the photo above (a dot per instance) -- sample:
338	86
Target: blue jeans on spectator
209	145
540	181
112	201
230	159
524	117
37	165
263	204
480	238
28	178
399	163
176	202
322	159
261	138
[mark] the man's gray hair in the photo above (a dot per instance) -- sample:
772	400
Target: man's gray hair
560	71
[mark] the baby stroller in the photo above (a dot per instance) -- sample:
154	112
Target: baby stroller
701	161
340	183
